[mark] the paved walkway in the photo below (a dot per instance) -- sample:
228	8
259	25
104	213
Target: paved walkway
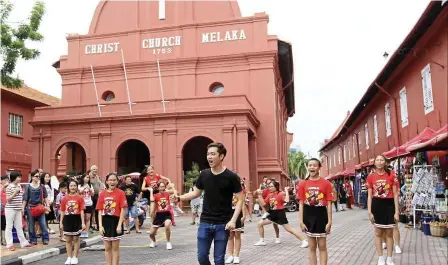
54	242
350	243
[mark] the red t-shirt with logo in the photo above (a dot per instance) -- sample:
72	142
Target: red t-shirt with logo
381	185
315	193
72	204
162	201
275	200
3	198
111	203
265	193
152	182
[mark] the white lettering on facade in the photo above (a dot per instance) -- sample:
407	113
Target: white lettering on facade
164	42
230	35
101	48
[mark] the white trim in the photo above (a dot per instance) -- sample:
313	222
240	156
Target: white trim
162	7
428	98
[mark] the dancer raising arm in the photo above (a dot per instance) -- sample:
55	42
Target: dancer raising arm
316	195
162	217
112	205
72	221
276	200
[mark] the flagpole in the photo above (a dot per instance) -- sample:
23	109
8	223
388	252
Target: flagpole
96	91
161	86
126	79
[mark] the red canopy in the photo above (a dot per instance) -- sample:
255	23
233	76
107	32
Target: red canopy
423	136
349	172
438	141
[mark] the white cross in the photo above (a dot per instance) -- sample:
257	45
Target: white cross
161	9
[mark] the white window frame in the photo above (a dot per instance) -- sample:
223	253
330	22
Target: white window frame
428	99
359	143
339	155
345	154
349	155
354	145
366	132
375	129
328	165
334	159
329	160
387	118
404	108
15	124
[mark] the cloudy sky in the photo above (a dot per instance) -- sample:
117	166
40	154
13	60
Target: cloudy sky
338	50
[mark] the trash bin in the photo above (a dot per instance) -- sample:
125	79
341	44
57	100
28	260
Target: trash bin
425	225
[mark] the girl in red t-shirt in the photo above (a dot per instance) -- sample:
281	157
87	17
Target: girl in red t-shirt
316	196
151	180
275	201
382	205
111	206
72	221
162	218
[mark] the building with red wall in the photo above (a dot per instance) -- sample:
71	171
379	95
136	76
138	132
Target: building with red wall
408	95
17	111
164	80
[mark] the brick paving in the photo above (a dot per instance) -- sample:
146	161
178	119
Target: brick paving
350	243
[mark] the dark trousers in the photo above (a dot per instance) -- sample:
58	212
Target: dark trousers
336	205
95	214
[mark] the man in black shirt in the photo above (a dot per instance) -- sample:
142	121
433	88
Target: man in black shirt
131	191
219	184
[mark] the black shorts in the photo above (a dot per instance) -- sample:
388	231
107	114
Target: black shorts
72	224
89	209
110	224
278	217
50	216
160	218
383	211
3	220
239	226
315	220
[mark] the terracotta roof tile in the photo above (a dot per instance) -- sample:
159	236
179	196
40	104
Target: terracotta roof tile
33	94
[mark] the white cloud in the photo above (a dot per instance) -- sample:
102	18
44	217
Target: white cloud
337	46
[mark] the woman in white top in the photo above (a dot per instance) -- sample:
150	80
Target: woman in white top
14	211
45	179
87	191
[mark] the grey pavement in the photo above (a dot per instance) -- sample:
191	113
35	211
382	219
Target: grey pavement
350	243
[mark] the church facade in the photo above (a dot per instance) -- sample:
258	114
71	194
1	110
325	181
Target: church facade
154	82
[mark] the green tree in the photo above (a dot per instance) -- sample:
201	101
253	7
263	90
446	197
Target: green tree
191	175
13	40
297	165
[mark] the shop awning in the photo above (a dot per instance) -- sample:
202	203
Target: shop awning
438	141
349	172
423	136
368	163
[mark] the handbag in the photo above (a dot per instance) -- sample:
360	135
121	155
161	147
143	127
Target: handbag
38	210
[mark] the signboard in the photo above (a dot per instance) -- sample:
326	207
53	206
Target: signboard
164	45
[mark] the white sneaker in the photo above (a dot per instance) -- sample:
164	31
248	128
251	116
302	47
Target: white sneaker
381	261
398	250
265	215
236	260
152	244
68	261
169	246
229	260
277	240
74	260
384	246
304	244
260	242
389	261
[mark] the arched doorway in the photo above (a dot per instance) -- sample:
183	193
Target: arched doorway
71	159
194	156
132	156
